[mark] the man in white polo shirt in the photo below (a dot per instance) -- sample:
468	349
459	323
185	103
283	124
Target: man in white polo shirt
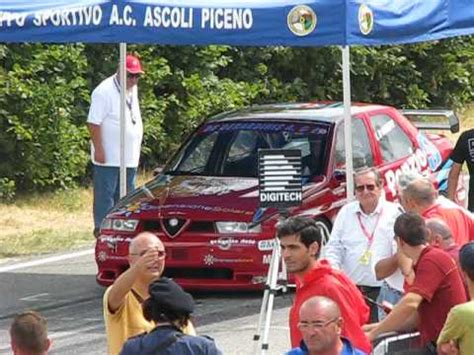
104	126
357	230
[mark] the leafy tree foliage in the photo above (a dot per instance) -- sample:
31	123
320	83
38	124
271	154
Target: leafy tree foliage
42	99
45	93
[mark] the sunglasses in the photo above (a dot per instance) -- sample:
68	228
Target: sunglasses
368	187
133	76
161	253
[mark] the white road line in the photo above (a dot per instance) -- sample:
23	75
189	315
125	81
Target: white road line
34	297
51	259
68	333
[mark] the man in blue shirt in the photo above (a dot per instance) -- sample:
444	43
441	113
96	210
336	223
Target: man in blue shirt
320	324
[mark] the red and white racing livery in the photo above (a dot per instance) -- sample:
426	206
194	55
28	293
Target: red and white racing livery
204	205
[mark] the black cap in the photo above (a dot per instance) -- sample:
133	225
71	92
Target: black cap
169	296
466	257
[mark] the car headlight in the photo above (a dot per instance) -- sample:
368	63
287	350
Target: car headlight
122	225
237	227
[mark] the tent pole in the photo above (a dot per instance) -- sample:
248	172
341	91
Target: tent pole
346	85
123	90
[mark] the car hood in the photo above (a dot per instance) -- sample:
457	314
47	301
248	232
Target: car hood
197	197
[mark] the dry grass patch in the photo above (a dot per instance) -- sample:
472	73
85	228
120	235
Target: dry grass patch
49	222
42	223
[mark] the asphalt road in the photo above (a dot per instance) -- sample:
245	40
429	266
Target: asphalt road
66	293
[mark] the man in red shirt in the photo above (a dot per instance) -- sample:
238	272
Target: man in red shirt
300	240
420	196
436	289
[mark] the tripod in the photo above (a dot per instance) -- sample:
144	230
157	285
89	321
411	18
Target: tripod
272	286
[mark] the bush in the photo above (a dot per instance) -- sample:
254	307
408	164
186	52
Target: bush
7	190
43	103
45	93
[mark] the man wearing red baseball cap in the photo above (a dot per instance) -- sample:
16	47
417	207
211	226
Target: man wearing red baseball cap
104	126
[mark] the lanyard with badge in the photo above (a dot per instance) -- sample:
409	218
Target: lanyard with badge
128	101
365	258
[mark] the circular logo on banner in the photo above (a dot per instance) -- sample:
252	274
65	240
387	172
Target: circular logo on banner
302	20
366	19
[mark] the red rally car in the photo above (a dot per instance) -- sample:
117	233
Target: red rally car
204	204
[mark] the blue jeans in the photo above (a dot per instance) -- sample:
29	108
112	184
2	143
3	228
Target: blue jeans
107	190
388	294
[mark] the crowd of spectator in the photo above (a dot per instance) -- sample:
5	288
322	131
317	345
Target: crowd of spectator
387	268
406	261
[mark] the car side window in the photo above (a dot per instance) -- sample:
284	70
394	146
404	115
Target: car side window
394	142
361	151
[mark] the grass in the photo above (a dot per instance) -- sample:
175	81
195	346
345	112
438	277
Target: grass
60	221
48	222
44	223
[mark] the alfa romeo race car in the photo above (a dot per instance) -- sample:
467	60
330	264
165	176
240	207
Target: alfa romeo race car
204	205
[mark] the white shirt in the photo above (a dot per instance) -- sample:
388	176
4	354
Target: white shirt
384	248
105	111
348	242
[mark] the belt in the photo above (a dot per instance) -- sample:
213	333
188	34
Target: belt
368	288
387	285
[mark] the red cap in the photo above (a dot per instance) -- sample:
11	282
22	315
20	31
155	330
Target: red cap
133	65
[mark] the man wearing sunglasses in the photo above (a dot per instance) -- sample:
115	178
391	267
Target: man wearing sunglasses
123	300
320	323
362	230
104	127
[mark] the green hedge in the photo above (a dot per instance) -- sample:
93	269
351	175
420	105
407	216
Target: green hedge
45	93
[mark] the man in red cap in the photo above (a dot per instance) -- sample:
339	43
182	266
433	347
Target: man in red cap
104	126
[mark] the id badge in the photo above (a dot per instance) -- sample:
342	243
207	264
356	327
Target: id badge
365	258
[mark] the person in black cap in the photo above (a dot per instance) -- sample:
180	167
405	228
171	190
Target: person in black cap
170	308
457	335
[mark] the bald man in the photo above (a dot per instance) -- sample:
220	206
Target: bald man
440	236
320	323
123	300
420	196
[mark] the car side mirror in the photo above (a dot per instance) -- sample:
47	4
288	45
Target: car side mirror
339	175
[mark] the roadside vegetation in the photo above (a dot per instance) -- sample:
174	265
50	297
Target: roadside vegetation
47	222
45	92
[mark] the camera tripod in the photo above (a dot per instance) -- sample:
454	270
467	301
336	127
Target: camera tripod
275	282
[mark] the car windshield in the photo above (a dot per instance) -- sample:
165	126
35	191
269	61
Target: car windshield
230	148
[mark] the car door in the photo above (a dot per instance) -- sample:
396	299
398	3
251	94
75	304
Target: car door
396	148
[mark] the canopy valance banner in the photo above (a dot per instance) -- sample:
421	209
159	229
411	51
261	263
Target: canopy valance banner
235	22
